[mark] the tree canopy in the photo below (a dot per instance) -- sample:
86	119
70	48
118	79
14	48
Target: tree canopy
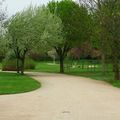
31	29
75	21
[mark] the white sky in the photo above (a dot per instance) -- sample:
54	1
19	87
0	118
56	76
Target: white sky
17	5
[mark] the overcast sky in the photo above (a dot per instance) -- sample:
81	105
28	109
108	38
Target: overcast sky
17	5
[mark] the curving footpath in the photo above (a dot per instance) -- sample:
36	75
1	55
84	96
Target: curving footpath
63	97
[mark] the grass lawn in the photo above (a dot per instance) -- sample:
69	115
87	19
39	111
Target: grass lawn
11	83
14	83
47	67
94	74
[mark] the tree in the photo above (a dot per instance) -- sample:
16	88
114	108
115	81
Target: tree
108	26
20	36
31	29
3	17
75	26
111	28
2	11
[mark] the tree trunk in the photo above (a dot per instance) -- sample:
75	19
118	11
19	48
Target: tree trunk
62	53
115	63
61	64
116	70
104	66
22	65
18	68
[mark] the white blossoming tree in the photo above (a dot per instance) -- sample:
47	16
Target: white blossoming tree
31	29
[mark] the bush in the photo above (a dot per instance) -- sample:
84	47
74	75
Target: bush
11	65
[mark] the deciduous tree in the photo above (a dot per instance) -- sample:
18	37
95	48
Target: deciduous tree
75	26
107	14
31	29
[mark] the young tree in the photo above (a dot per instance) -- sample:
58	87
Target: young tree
31	29
20	35
75	26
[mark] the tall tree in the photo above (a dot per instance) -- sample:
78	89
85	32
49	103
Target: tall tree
31	29
21	36
75	27
111	28
107	13
2	17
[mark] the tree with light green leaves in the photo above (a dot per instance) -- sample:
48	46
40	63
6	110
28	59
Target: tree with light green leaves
3	17
32	29
75	21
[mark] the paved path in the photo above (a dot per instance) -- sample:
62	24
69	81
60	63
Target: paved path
63	97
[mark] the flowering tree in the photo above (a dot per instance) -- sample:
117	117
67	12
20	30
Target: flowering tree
31	29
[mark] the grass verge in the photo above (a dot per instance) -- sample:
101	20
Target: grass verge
46	67
97	75
90	73
12	83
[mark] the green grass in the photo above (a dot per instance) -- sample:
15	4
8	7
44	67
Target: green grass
90	73
11	83
47	67
24	83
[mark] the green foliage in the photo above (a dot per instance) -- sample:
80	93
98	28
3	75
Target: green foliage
20	31
2	29
48	27
111	24
33	29
11	83
106	21
75	19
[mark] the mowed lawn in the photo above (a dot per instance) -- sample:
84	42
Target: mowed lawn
47	67
95	74
12	83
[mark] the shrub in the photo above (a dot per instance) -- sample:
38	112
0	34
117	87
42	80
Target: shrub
11	65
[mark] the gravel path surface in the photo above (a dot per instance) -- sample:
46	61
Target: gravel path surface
63	97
